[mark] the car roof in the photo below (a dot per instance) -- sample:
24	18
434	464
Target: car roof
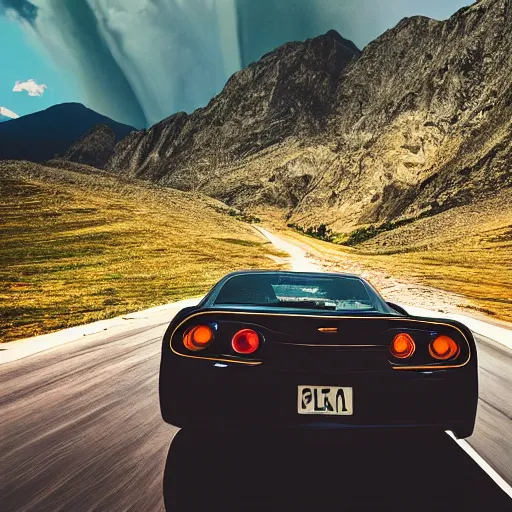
294	273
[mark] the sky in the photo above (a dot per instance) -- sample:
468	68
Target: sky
139	61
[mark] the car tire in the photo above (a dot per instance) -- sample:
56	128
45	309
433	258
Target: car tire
464	430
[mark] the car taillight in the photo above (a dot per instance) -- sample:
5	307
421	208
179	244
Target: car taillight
443	348
198	337
245	341
402	346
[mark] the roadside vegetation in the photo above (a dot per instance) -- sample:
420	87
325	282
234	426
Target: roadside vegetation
80	245
321	232
465	250
355	237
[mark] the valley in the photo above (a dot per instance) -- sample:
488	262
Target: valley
79	245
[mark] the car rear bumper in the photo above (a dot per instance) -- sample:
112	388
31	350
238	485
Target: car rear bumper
205	394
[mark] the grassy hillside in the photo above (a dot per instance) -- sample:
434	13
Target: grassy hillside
465	250
79	245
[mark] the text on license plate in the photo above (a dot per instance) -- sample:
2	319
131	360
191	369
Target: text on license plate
324	400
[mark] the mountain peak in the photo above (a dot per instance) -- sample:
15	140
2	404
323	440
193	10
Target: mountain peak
334	34
42	135
288	91
94	148
419	124
71	105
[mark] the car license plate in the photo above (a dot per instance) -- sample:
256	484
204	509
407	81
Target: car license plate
324	400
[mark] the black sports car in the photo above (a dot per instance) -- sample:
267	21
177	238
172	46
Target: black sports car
268	349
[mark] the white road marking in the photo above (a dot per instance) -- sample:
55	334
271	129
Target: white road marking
483	464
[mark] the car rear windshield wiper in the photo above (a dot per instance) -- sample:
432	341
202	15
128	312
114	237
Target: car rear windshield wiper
308	304
324	304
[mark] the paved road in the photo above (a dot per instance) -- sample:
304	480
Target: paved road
81	429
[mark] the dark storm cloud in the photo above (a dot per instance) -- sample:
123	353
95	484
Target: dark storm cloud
106	83
175	62
24	8
281	22
267	24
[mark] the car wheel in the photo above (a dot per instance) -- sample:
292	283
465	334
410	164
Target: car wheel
464	430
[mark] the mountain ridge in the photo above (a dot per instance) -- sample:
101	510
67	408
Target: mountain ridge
330	135
287	94
42	135
320	132
94	148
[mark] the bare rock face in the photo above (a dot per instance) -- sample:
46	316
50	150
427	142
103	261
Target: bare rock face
420	121
287	92
95	148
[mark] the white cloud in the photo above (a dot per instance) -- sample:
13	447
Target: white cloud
8	113
31	86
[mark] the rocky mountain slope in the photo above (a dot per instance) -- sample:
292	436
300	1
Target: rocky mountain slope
40	136
288	91
95	148
420	121
423	120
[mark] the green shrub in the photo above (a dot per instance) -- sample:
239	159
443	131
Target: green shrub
363	234
359	235
244	217
322	232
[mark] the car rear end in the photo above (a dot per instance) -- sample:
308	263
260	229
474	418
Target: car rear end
259	368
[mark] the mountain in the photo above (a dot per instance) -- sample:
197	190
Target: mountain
40	136
286	92
417	123
7	115
95	148
422	122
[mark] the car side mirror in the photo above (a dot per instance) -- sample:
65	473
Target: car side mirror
397	308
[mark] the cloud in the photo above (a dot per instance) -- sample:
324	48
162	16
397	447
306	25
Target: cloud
8	113
23	8
178	64
69	31
31	86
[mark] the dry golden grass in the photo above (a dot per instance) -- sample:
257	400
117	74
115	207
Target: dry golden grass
77	247
466	250
478	268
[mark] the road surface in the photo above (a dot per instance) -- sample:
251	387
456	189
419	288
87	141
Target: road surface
81	430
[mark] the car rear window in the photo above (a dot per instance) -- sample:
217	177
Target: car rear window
340	293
